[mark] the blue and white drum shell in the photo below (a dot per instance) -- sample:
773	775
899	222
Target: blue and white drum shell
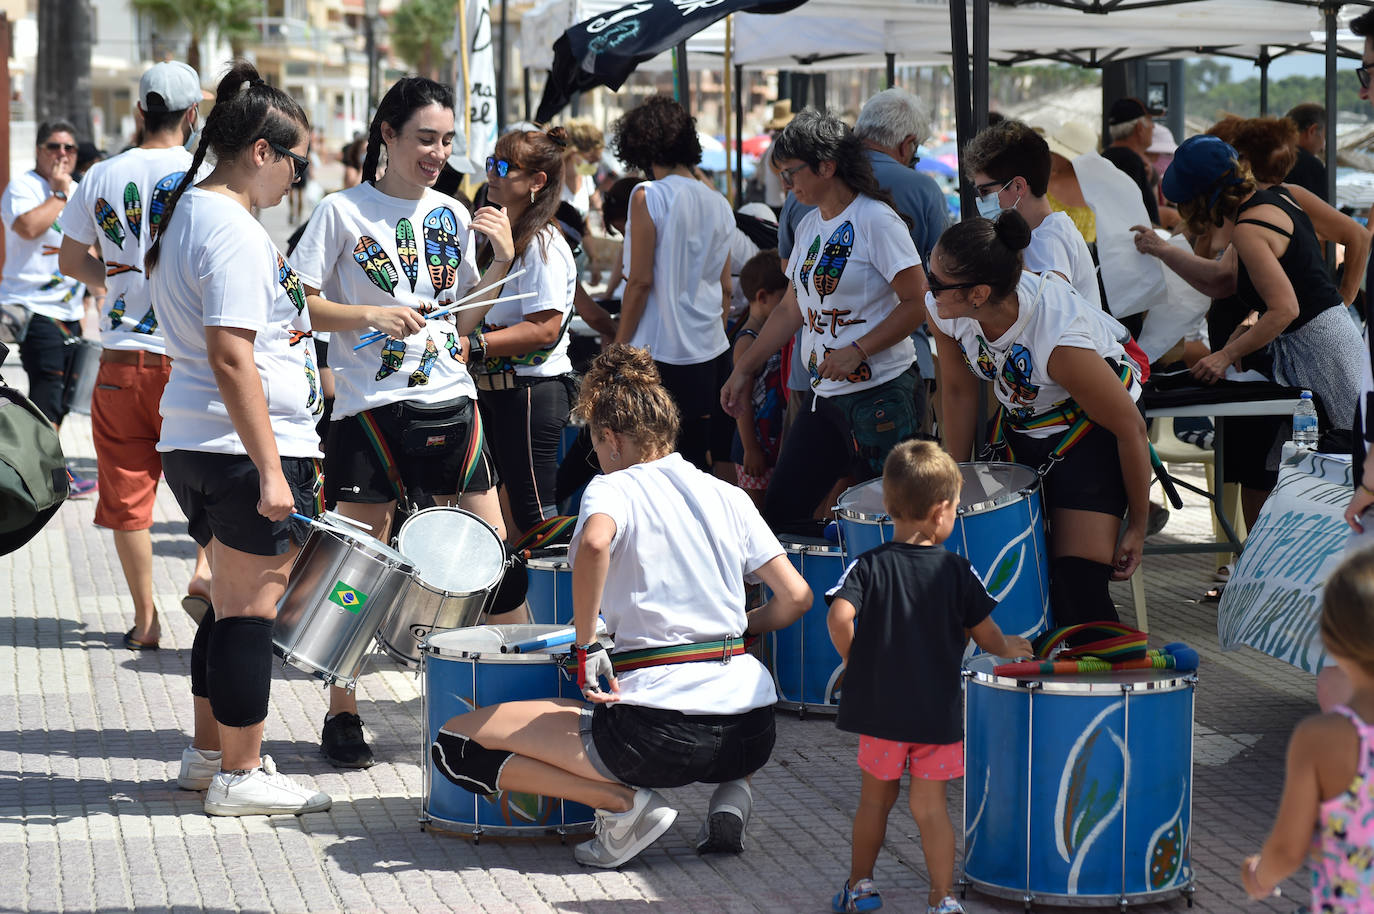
1078	790
1000	529
464	670
550	587
805	665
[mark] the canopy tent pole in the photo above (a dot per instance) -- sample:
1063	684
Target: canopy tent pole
529	99
503	52
730	134
891	69
1329	10
739	132
963	113
982	26
1263	63
681	89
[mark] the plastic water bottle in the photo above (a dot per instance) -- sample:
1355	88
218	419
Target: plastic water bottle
1305	423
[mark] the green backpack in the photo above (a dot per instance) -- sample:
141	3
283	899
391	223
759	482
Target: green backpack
33	471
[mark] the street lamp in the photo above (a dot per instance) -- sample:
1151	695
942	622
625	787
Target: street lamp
371	10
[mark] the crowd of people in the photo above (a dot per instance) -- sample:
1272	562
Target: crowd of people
756	363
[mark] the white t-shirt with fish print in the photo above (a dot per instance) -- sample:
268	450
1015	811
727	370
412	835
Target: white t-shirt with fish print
842	270
31	277
118	205
369	248
219	268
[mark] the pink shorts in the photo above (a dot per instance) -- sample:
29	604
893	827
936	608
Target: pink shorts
885	759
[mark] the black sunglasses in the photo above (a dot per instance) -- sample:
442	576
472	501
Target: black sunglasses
937	285
69	147
301	162
1361	72
500	166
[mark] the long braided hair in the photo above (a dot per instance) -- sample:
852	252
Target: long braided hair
402	100
246	110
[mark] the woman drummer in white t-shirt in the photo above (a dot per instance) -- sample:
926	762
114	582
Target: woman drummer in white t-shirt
662	552
1067	390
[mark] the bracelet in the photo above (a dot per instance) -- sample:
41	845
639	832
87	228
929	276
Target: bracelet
495	260
591	648
747	332
1364	488
856	345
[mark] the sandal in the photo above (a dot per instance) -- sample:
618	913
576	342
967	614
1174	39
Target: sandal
196	606
134	645
1213	595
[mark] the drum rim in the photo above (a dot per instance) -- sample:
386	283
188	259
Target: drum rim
366	543
795	548
419	579
1048	684
979	507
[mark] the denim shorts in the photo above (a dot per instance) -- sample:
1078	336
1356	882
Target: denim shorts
654	747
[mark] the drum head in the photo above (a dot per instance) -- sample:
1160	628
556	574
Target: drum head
359	538
452	550
487	640
864	501
991	485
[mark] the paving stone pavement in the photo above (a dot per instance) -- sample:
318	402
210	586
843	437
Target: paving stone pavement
91	818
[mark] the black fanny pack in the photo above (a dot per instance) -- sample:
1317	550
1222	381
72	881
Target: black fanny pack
430	428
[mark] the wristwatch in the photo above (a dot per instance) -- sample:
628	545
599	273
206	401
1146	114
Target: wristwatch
477	346
60	195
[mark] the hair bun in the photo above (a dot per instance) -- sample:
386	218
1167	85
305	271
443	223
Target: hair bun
559	135
1012	230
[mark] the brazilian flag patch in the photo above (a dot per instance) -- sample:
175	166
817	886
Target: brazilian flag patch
345	596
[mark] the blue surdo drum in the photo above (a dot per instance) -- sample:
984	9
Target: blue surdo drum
1078	789
805	665
550	587
1000	530
464	669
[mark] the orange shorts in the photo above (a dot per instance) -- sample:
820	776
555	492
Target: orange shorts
886	759
126	426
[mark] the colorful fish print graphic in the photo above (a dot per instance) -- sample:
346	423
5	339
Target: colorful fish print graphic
407	251
376	264
985	361
157	204
421	375
116	312
834	257
455	349
294	337
313	401
53	282
291	283
50	250
133	209
113	268
862	371
1168	848
442	252
813	369
1016	376
392	354
810	260
108	220
148	324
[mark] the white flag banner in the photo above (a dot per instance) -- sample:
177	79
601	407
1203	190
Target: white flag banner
476	87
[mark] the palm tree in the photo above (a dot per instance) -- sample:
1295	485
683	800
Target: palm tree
63	78
419	31
231	20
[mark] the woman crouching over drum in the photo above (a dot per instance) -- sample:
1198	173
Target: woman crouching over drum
661	551
1067	391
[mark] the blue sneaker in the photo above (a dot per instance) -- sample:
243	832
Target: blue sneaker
863	897
78	487
948	905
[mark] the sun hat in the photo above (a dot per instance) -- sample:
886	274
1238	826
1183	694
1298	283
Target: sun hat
1163	141
1070	139
1202	165
782	115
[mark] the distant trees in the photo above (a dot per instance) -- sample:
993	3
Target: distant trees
1210	93
230	20
420	33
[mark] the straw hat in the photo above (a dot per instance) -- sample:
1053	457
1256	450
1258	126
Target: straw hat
1163	141
1070	139
782	115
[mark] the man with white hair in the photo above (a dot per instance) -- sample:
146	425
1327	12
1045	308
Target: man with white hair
1131	130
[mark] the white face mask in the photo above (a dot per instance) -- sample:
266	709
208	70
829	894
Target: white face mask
990	205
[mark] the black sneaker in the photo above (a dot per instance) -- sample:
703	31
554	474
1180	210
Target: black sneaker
343	743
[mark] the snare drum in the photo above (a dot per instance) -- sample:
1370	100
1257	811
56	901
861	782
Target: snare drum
459	560
805	665
343	586
1078	790
1000	530
550	587
465	670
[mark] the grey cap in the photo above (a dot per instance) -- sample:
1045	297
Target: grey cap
169	86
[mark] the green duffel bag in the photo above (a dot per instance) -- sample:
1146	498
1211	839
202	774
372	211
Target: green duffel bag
33	471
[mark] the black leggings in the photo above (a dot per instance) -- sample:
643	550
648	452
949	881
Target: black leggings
524	426
696	391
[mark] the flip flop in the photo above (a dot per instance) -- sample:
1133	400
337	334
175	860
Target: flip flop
134	645
196	606
1214	594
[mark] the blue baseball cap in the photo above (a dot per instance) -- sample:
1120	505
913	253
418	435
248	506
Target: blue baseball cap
1202	165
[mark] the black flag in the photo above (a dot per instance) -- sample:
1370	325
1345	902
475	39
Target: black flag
605	50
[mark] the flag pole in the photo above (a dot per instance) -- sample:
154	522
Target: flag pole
465	101
729	87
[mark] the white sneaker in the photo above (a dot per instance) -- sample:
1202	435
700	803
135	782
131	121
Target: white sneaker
622	835
261	792
198	768
726	818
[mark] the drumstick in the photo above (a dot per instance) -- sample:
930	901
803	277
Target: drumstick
552	639
376	334
1174	657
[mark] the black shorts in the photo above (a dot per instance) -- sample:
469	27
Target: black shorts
1087	479
48	356
429	444
219	495
653	747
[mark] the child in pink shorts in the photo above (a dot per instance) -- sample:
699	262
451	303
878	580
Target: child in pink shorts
900	616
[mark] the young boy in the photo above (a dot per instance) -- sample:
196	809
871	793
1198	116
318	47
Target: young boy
915	605
759	427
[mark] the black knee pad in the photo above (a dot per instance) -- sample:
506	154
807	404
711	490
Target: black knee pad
467	763
240	670
1078	591
200	655
510	593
